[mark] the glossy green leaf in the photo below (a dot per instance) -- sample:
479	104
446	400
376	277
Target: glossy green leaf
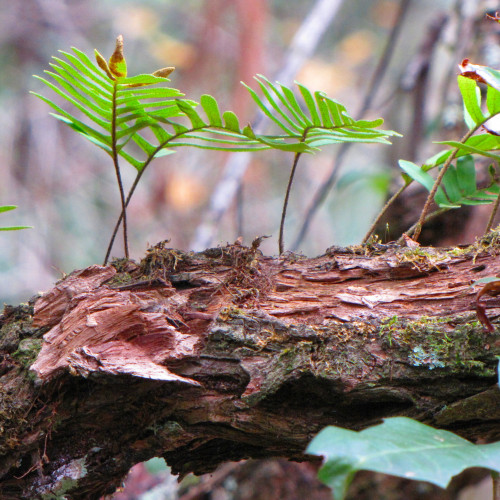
467	148
493	100
471	96
400	447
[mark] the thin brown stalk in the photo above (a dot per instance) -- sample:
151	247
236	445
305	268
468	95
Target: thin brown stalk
372	89
281	243
117	171
382	212
437	183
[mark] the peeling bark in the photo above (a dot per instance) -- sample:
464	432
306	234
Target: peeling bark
227	354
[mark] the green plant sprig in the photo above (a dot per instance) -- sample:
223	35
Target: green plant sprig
457	186
8	208
120	111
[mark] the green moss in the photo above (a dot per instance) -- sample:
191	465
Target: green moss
438	342
27	351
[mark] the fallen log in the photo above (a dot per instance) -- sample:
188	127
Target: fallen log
205	358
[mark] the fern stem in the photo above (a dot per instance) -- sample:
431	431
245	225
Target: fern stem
281	243
118	175
381	214
121	217
437	183
126	201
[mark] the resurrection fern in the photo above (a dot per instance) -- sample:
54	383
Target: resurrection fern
121	114
120	107
323	121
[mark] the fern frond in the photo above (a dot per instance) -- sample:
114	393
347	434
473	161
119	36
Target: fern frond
135	105
318	122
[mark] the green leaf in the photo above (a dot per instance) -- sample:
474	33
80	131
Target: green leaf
310	103
191	113
231	121
211	109
467	148
471	96
401	447
417	174
7	208
493	100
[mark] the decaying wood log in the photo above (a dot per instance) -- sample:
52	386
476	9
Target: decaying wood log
227	354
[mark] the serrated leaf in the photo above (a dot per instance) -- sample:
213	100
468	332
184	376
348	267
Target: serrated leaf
400	447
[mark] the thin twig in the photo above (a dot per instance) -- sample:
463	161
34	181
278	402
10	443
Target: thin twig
281	242
437	183
372	89
382	212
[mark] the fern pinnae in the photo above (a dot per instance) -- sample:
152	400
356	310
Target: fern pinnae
287	99
266	110
326	120
277	108
94	91
294	107
311	104
211	108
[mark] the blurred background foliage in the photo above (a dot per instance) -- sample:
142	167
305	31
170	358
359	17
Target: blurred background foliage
65	188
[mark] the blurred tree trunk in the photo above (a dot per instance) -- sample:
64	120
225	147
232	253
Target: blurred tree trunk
226	354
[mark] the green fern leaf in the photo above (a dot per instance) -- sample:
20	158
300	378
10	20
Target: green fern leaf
99	97
211	109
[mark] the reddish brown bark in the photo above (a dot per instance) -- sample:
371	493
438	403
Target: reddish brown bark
226	354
